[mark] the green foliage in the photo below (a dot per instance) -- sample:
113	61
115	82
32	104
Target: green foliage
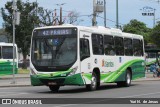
137	27
28	20
155	35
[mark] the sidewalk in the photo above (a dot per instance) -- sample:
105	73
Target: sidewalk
148	77
23	80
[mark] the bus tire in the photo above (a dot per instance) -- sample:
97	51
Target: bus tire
54	88
93	85
127	81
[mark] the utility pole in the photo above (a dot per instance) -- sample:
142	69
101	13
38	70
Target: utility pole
94	23
154	18
60	21
14	20
98	7
35	25
117	18
104	13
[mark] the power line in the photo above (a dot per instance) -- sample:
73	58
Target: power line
110	20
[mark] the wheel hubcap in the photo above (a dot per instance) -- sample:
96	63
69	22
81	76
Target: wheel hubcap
128	78
93	82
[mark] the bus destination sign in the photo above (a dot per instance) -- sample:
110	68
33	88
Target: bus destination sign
51	32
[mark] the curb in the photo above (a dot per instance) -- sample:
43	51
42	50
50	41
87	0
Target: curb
6	78
15	86
147	79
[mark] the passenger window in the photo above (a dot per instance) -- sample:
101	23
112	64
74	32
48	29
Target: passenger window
137	47
109	48
97	44
142	52
119	46
0	53
128	48
84	49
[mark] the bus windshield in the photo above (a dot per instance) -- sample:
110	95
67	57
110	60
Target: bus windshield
54	52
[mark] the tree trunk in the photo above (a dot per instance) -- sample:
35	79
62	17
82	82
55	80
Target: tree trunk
24	65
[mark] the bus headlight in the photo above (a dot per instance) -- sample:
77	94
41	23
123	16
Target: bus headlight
73	71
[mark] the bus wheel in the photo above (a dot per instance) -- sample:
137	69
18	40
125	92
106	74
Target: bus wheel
54	88
127	81
93	85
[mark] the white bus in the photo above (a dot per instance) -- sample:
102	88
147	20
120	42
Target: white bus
6	59
85	56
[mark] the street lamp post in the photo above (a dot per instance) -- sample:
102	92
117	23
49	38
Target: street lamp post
154	18
94	23
14	19
117	18
60	22
104	13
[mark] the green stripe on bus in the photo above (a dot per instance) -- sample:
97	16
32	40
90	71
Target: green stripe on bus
7	68
119	75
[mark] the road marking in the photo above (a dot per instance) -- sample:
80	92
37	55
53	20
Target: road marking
66	105
13	94
7	92
140	95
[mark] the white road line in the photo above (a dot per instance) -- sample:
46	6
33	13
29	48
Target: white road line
66	105
13	94
7	92
140	95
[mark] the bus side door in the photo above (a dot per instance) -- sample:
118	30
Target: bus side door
85	53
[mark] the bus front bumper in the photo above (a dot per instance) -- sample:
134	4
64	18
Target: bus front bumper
68	80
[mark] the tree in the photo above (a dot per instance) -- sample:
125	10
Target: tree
72	17
45	17
155	35
137	27
27	23
4	36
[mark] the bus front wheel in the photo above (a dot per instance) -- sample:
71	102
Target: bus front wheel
54	88
93	85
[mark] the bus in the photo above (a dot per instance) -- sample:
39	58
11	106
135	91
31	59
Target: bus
85	56
152	55
6	59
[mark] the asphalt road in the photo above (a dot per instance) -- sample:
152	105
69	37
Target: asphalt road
139	89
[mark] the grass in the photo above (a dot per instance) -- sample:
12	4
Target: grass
23	71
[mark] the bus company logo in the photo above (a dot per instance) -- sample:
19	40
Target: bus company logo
107	63
6	101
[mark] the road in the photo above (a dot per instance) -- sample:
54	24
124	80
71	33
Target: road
139	89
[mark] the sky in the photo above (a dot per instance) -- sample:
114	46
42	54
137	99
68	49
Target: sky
128	10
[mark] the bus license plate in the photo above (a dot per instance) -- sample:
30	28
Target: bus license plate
52	83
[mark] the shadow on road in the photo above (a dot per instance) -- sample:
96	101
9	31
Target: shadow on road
83	89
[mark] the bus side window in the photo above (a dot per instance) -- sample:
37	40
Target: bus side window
142	52
109	45
84	49
128	48
137	47
119	45
97	44
0	53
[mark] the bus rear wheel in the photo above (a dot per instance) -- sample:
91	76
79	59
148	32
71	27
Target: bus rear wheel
127	81
54	88
93	85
